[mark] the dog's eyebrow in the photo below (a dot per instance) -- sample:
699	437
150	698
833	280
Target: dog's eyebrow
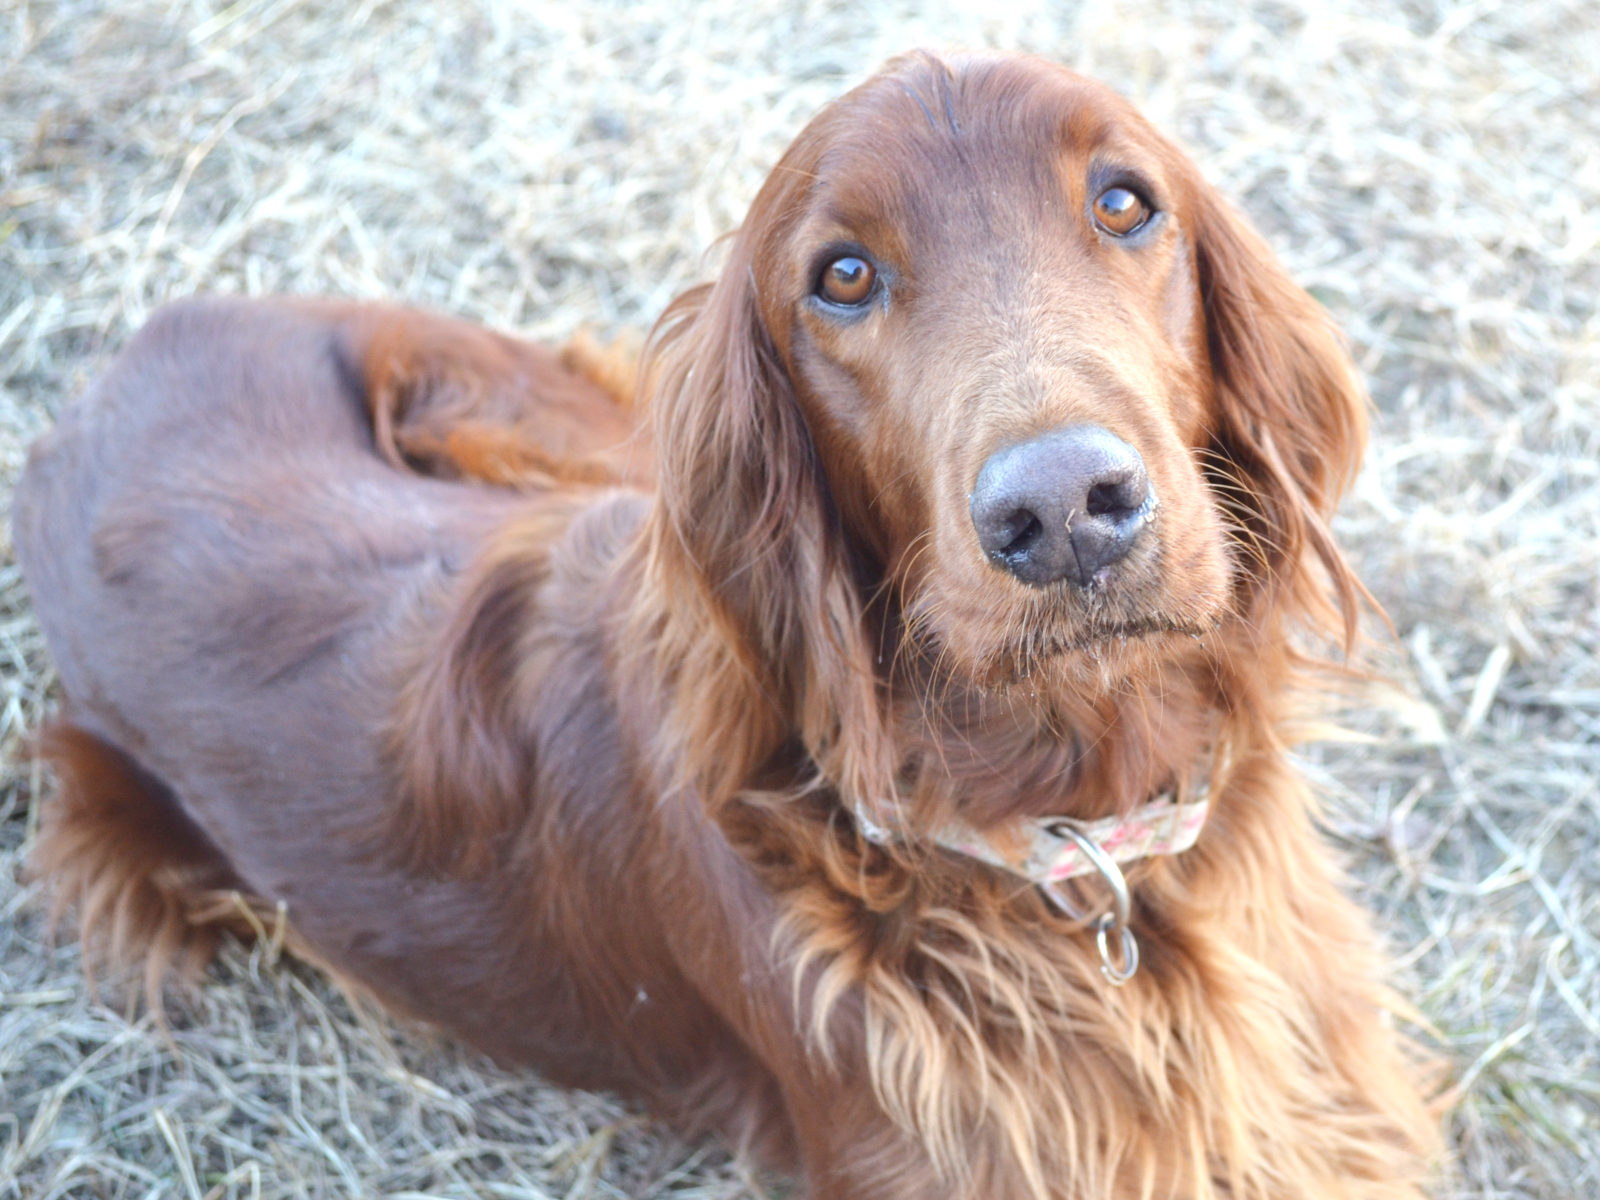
926	111
949	103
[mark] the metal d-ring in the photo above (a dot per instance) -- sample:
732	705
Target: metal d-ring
1116	976
1121	906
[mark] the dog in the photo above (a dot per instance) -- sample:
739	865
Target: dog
869	746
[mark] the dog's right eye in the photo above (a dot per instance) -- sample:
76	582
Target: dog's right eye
847	280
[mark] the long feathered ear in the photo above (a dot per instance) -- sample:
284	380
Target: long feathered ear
1292	418
763	628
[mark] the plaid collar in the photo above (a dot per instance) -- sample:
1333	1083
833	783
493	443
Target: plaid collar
1047	851
1043	850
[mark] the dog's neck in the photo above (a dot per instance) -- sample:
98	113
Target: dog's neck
1066	743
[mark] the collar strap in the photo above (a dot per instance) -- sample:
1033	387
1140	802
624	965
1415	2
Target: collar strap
1045	850
1050	850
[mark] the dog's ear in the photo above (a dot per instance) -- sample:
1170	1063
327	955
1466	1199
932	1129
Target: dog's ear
766	626
1291	419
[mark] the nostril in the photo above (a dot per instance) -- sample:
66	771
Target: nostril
1021	531
1105	500
1119	498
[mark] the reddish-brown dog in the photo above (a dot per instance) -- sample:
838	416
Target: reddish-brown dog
988	483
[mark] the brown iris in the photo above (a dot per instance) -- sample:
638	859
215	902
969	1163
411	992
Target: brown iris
848	280
1120	211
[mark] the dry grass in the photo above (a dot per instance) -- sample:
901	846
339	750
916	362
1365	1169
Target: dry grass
1430	171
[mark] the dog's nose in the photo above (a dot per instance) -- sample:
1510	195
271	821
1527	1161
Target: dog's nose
1065	505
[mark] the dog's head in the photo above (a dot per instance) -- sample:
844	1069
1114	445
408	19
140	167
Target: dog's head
993	380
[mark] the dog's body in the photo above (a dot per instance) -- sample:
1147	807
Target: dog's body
579	771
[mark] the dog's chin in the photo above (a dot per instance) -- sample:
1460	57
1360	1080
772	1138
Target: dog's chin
1101	653
1093	654
998	635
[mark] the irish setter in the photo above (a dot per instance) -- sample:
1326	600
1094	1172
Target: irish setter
814	760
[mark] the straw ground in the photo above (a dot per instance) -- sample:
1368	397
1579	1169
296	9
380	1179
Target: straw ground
1430	171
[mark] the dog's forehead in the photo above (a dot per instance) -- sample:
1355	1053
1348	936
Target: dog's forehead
926	134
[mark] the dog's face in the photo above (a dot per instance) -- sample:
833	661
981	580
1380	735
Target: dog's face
986	298
988	339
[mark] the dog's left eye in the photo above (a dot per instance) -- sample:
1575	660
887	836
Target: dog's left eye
1120	211
847	280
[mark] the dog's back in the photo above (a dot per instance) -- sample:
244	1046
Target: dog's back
220	483
222	564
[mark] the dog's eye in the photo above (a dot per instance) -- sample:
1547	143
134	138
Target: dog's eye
1120	211
848	281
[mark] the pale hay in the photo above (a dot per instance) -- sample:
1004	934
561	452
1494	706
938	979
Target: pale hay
1431	172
